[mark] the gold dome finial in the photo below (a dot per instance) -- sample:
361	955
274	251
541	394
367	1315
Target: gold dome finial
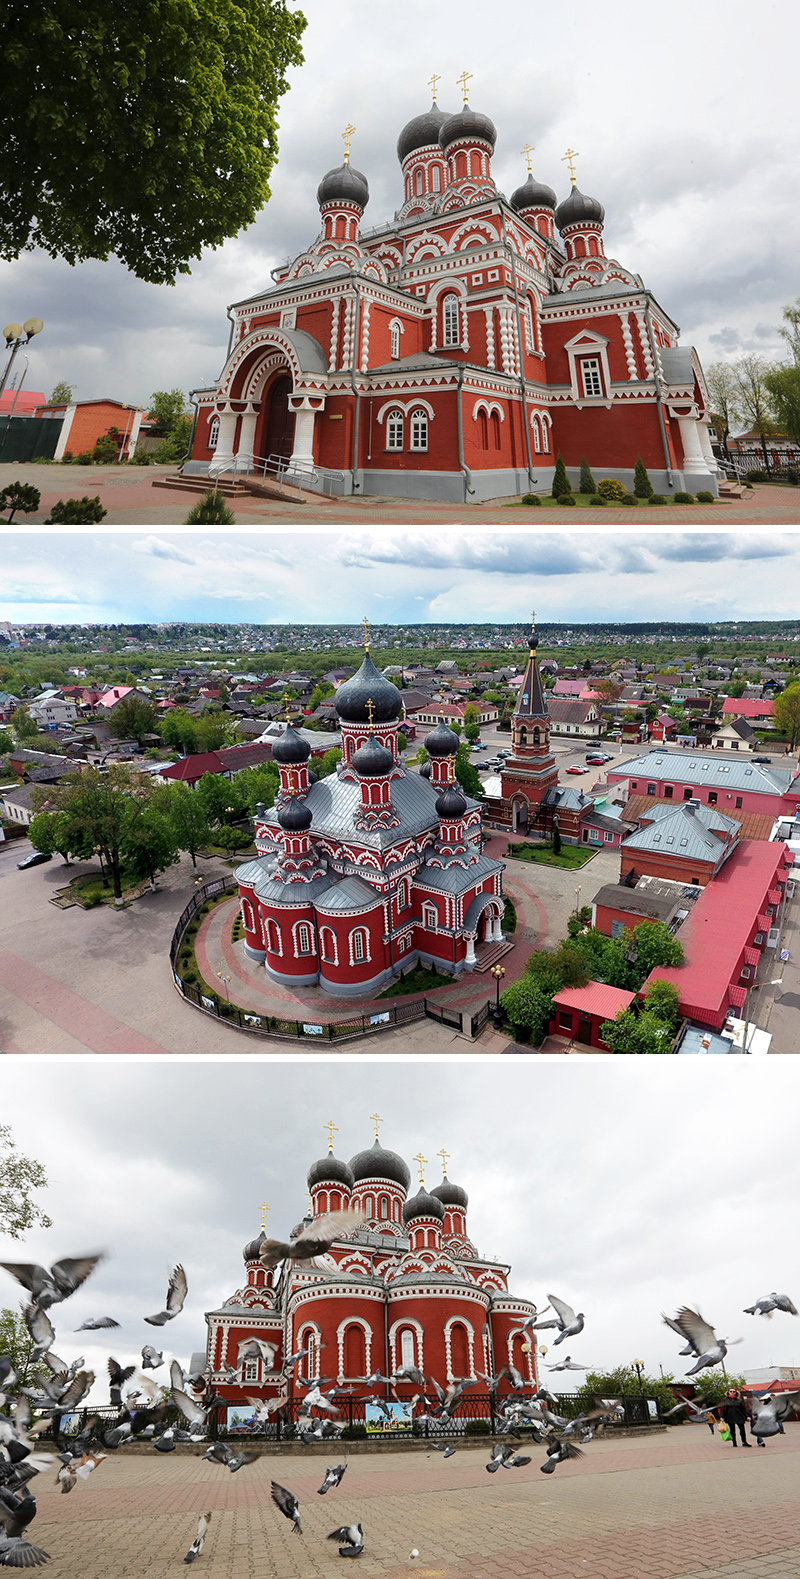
569	158
445	1156
432	81
420	1161
377	1121
365	623
526	154
347	135
333	1129
461	82
264	1209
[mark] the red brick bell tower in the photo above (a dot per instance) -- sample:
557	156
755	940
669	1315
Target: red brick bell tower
531	770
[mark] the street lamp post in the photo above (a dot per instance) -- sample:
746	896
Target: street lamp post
577	902
225	980
16	335
498	971
638	1366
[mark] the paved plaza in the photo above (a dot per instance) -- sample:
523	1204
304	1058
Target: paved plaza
678	1505
130	499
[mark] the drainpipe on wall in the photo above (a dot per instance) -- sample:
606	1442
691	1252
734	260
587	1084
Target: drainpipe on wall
467	474
660	394
531	478
353	385
230	336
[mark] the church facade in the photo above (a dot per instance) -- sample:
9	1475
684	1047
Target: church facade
407	1288
454	351
363	873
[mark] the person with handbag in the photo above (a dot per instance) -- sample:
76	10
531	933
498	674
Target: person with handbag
733	1412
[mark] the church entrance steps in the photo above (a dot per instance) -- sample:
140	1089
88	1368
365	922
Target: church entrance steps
241	488
732	490
490	954
201	485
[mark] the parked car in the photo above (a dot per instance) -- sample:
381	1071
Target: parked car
599	756
595	762
34	859
577	769
768	760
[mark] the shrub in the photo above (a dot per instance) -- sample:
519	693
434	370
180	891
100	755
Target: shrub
531	500
478	1428
561	484
211	510
596	499
792	476
352	1433
757	476
611	488
629	499
566	498
705	497
41	460
84	459
67	458
642	486
190	977
141	457
77	512
684	498
509	917
19	496
587	483
107	448
657	498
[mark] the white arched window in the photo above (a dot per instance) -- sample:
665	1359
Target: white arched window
327	943
383	1208
369	1206
430	915
402	894
419	181
545	434
302	938
394	430
272	935
436	178
359	945
451	328
213	434
419	430
247	915
407	1356
537	437
395	341
529	326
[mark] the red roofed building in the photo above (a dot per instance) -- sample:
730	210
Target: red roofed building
663	728
86	421
580	1012
762	712
726	931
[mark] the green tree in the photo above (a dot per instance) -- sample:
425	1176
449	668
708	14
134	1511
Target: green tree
105	805
319	693
166	407
233	839
724	395
17	1345
587	483
25	728
527	1008
556	838
787	714
642	486
62	394
107	447
19	1177
328	763
211	510
150	844
471	715
622	1381
6	742
629	1033
466	774
662	999
652	944
790	329
20	496
76	512
55	833
755	402
223	800
712	1385
561	483
472	734
783	387
186	816
179	728
132	719
147	130
214	729
260	785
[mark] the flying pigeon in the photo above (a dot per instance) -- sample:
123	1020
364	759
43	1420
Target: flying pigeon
315	1240
16	1552
350	1538
690	1348
569	1323
95	1323
200	1538
568	1364
558	1454
118	1377
221	1453
176	1294
443	1447
288	1504
49	1288
151	1359
769	1413
771	1302
40	1329
707	1346
333	1475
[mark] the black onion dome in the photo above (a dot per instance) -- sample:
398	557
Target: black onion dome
377	1163
441	742
533	194
423	1205
372	759
368	685
450	803
291	748
577	208
252	1251
451	1194
329	1170
344	185
295	815
425	770
467	123
422	132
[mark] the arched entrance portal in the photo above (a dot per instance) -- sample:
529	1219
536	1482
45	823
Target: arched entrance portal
520	816
280	419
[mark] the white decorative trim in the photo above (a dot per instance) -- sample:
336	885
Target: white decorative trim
489	406
406	407
333	360
427	239
354	1321
595	345
366	956
302	1332
406	1321
449	1324
271	922
470	228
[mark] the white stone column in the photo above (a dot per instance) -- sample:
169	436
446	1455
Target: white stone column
693	458
470	960
227	431
303	451
497	930
705	445
247	433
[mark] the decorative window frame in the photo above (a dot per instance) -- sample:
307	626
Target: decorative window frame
462	1321
289	318
490	407
418	431
510	1336
451	322
396	328
299	952
395	430
587	343
248	919
544	419
366	957
213	433
394	1330
328	958
354	1321
405	406
430	916
537	434
268	936
474	227
309	1329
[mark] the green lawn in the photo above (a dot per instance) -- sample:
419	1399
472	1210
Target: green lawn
90	891
420	979
571	855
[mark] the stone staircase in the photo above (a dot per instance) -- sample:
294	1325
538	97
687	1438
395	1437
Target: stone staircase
490	953
240	487
731	490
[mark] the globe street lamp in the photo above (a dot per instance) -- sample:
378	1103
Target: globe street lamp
498	971
225	980
16	335
638	1366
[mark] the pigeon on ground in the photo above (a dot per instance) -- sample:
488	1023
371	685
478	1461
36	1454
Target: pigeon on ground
95	1323
568	1364
49	1288
176	1294
199	1541
350	1538
288	1504
443	1447
151	1359
315	1240
771	1302
333	1475
769	1413
710	1349
569	1323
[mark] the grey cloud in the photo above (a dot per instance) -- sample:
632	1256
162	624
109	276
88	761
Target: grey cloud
720	546
158	549
500	553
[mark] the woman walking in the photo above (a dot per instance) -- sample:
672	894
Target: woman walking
734	1413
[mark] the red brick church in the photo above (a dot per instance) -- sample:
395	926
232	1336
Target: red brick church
453	351
408	1288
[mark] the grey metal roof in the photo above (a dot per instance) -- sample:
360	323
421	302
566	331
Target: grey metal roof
306	890
310	354
565	797
335	800
616	896
684	831
677	364
454	879
347	893
689	767
708	815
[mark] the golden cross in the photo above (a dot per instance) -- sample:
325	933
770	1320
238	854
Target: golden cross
365	623
526	154
432	85
569	158
370	709
445	1156
461	82
441	704
376	1119
264	1209
310	1210
333	1129
347	134
286	699
420	1161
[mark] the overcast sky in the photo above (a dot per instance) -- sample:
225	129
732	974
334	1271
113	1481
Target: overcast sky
398	576
686	122
628	1188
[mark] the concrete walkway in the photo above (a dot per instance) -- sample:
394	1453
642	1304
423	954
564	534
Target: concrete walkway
679	1505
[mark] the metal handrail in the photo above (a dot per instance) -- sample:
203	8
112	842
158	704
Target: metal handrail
297	474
